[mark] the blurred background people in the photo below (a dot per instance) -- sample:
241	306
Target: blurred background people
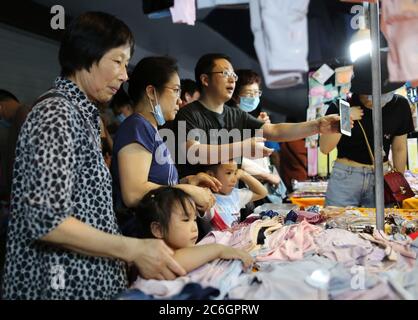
189	92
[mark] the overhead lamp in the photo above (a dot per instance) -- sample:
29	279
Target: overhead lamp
361	43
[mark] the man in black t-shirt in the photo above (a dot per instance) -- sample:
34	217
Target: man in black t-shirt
352	179
209	132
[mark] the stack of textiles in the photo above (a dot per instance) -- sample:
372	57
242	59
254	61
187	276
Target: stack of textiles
359	265
304	189
190	291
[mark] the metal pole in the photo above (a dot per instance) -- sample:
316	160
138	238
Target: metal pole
377	116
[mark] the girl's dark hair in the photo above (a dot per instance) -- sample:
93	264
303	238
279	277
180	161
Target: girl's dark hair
88	38
155	71
158	206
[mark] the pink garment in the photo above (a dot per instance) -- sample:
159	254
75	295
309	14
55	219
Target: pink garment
290	242
402	247
382	291
184	11
317	91
348	248
233	237
312	161
311	217
328	95
242	239
246	238
243	236
400	27
211	273
221	237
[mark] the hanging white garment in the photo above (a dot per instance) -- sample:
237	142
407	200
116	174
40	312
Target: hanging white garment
184	11
203	4
280	31
400	26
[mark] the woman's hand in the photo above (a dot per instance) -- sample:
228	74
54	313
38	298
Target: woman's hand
204	180
154	259
356	113
230	253
203	198
263	116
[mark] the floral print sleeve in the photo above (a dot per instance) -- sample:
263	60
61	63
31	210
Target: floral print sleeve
47	166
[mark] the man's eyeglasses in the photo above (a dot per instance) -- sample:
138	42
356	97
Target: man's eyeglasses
227	74
177	91
252	94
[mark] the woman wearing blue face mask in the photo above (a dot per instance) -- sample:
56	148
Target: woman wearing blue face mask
247	94
141	160
352	179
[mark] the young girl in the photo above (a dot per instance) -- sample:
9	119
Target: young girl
170	214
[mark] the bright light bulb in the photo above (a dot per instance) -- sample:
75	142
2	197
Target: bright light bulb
361	44
360	48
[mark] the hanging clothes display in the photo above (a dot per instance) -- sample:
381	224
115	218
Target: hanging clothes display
359	1
400	27
281	40
203	4
184	11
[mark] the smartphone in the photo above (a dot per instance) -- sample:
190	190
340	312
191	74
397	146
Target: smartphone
345	123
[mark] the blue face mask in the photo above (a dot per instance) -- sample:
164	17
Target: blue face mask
158	112
121	117
158	115
249	104
5	123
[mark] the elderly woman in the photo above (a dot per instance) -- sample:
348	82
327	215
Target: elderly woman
141	159
63	240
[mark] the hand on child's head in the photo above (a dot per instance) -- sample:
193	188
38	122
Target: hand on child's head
206	200
205	180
